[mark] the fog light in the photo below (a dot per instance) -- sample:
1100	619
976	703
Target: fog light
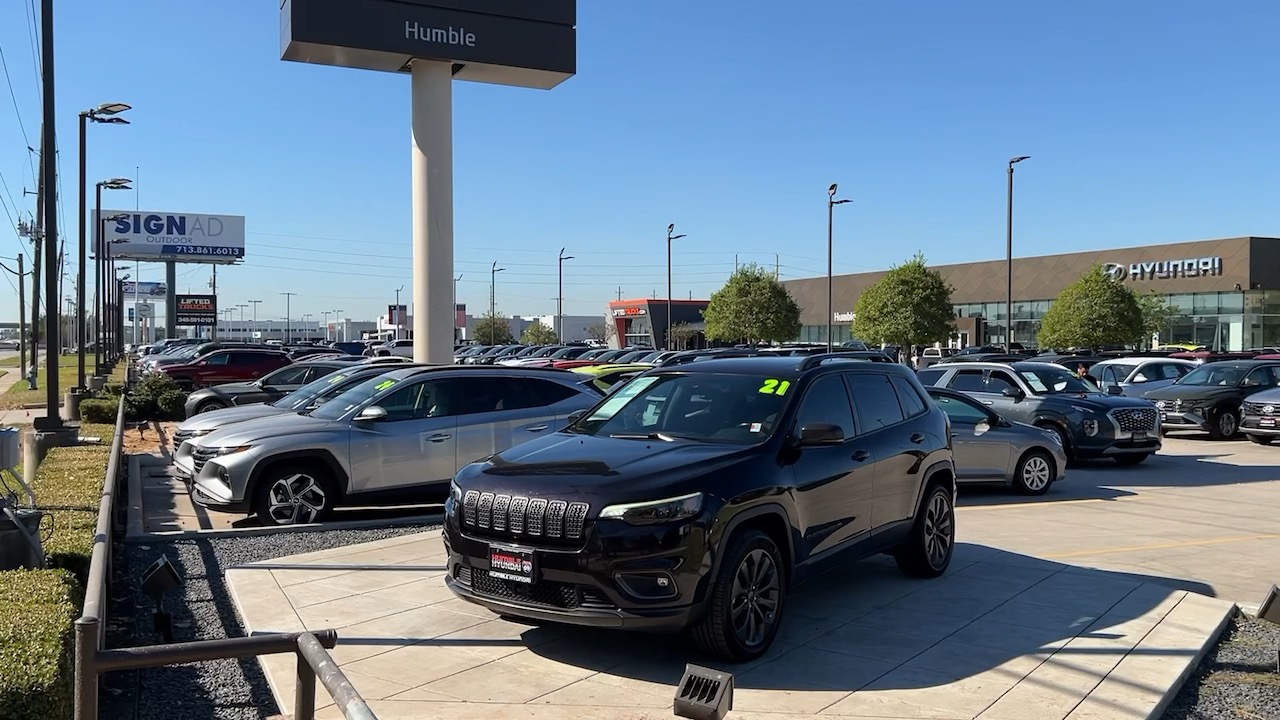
648	585
704	694
1090	427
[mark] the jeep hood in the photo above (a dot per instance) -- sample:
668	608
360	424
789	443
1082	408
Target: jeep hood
611	469
264	428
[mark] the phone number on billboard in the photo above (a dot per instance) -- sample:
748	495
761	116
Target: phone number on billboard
201	250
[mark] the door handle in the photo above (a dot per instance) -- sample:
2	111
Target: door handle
861	455
917	438
536	428
988	402
439	437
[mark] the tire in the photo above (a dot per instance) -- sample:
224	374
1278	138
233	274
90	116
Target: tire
1063	436
750	576
1035	473
292	494
1224	424
1261	439
210	406
927	554
1134	459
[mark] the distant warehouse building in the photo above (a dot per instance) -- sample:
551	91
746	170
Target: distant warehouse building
1224	292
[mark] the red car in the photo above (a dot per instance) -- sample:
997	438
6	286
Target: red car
225	366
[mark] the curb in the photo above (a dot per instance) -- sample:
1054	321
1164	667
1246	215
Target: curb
173	535
1187	671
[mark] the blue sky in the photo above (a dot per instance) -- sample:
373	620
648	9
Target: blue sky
1147	122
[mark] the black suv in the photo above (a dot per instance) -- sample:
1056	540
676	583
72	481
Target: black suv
1089	423
696	494
1209	398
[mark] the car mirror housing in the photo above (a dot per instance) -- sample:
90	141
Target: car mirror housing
983	427
1115	390
373	413
575	416
821	434
1014	393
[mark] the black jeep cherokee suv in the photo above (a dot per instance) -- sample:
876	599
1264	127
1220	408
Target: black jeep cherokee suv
696	494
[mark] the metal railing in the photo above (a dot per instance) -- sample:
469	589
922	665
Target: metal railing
92	658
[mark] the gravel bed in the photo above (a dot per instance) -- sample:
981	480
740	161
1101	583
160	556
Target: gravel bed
1237	680
230	689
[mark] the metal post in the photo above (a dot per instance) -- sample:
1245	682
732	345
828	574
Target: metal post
831	311
48	158
86	671
304	692
1008	301
171	299
345	697
455	309
666	334
22	320
213	283
81	330
137	281
98	304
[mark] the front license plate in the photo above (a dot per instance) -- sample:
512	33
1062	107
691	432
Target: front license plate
1267	422
511	564
1139	436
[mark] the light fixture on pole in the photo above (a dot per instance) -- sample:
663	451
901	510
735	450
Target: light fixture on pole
832	202
493	302
100	114
560	297
98	251
396	309
288	297
1008	300
667	339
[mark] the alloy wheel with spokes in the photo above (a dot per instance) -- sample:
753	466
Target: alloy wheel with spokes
1034	473
754	603
1227	424
939	532
294	498
927	553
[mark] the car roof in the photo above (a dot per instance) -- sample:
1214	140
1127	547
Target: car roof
779	365
1239	363
1020	365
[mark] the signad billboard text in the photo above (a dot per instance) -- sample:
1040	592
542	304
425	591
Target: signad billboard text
144	289
197	310
182	237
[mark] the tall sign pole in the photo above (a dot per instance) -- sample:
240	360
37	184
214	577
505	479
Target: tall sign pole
48	151
500	42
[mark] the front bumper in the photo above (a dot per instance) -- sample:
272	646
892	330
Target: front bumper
1183	420
221	481
1262	425
609	579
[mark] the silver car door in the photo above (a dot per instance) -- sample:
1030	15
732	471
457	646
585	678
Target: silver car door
497	412
415	444
979	450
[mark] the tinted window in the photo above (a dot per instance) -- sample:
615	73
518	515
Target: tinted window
493	394
218	359
288	376
930	377
1000	381
908	397
874	401
1260	377
959	410
1219	374
968	381
416	401
827	401
546	392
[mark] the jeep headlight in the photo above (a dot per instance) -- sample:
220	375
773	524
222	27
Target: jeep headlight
656	511
1090	426
455	492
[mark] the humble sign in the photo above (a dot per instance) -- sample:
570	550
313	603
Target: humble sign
507	42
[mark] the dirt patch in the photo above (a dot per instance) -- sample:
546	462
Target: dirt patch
148	438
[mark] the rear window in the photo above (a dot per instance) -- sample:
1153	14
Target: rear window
930	377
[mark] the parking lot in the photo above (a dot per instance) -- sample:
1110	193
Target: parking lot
1086	602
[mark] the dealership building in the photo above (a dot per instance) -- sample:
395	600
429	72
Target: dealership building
1223	292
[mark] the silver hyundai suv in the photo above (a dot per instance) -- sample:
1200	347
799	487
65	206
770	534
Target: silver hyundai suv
397	437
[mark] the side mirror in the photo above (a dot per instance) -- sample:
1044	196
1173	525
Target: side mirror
983	427
373	413
1115	390
575	416
821	434
1014	393
1139	378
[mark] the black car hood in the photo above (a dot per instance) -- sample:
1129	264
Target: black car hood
569	465
1100	402
1194	392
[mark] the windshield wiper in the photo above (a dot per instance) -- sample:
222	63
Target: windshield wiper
643	436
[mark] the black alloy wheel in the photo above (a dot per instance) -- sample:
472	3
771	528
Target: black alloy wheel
745	601
927	554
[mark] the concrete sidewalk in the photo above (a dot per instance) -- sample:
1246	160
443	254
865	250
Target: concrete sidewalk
1001	636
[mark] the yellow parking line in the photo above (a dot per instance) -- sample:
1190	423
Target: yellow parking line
1160	546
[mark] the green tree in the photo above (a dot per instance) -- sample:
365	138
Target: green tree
492	330
681	334
910	305
1156	313
1092	311
752	306
538	334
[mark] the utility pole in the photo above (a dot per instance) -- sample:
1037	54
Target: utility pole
619	293
48	160
22	321
255	304
288	297
777	267
213	283
399	320
560	297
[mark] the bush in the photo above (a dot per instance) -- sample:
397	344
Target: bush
37	608
171	405
69	481
155	397
100	410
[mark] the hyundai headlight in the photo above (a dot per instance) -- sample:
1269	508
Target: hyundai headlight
200	433
656	511
224	451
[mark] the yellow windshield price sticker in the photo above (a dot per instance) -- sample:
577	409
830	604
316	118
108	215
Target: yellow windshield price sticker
773	386
336	379
384	385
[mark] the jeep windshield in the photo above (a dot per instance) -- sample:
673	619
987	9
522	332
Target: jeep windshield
721	408
1056	381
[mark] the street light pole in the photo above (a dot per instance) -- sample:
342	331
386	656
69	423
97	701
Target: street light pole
396	310
1008	300
831	311
337	317
560	296
493	302
666	341
288	297
255	304
99	280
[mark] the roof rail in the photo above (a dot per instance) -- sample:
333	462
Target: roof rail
812	361
689	356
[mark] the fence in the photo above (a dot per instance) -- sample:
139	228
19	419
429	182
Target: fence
92	659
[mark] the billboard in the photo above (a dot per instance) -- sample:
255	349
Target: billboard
143	289
506	42
163	236
197	310
460	315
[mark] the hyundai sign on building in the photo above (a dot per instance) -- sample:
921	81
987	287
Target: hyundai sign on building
164	236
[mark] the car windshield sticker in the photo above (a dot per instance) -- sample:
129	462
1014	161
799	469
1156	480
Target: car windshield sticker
1034	381
383	385
620	398
337	379
773	386
755	427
